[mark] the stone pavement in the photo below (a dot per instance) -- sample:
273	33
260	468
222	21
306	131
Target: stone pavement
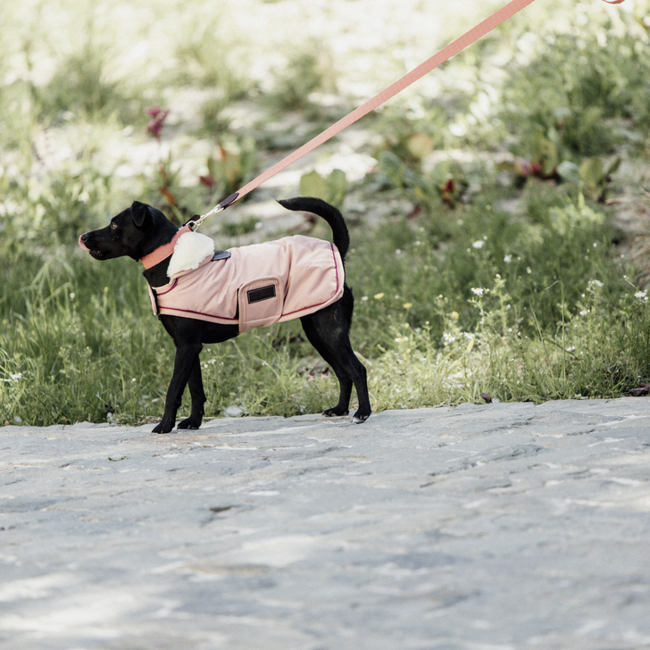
478	527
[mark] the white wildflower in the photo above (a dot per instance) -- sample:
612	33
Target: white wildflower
448	338
477	291
507	259
13	377
643	295
478	244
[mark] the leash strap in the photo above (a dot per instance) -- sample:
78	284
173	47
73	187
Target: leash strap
443	55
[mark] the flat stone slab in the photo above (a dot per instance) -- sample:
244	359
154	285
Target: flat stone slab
480	527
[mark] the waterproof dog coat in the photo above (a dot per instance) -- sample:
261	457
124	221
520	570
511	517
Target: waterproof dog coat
253	286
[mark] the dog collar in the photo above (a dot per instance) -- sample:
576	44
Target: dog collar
163	252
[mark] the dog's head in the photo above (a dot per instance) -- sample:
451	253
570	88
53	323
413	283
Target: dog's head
134	232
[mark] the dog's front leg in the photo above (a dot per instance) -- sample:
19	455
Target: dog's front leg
197	393
187	356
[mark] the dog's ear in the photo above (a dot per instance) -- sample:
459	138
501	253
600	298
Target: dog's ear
140	212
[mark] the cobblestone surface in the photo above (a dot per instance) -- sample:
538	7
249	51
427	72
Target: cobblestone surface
478	527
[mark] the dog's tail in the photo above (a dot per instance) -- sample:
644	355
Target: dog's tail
328	212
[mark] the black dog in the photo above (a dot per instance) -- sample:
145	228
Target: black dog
141	229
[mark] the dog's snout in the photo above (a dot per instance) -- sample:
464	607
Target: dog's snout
82	241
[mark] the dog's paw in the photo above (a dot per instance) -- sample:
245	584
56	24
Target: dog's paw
190	423
162	428
360	417
335	412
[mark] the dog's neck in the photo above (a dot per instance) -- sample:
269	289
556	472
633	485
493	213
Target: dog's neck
164	251
156	276
157	261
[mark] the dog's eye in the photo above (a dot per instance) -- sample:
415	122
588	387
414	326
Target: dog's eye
113	226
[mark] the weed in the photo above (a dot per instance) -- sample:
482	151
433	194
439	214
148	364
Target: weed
234	165
236	229
52	209
308	70
582	80
209	56
331	188
483	280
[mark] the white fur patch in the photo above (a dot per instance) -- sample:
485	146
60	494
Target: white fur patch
190	250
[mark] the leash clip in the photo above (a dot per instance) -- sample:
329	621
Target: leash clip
229	200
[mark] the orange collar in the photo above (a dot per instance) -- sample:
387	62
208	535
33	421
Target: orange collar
163	252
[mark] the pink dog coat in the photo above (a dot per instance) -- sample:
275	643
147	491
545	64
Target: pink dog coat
256	286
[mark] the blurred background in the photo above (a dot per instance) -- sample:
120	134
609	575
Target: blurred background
499	207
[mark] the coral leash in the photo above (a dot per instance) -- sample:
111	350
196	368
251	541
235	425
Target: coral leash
430	64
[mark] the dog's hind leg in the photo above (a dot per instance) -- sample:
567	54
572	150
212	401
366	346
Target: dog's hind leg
187	355
357	373
328	331
195	384
345	382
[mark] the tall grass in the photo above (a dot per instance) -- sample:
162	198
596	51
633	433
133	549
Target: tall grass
485	280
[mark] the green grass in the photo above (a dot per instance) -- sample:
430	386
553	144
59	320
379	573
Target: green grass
484	278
